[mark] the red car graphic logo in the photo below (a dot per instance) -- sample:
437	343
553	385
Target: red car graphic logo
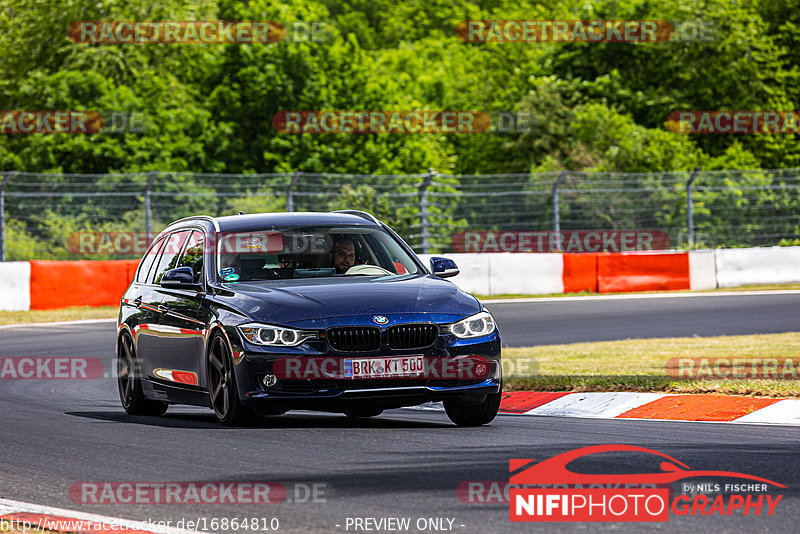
554	470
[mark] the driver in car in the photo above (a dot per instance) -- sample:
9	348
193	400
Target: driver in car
343	255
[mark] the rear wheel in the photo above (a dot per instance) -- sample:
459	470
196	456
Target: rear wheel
130	385
222	386
473	415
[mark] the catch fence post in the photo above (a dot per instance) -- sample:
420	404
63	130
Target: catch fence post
423	209
690	207
148	216
6	180
290	191
556	214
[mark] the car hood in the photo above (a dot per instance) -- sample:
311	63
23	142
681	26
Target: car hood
296	301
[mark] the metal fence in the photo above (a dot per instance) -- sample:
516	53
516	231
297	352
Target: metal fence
40	213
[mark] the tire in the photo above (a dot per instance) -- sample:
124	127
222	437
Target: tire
477	415
362	413
130	385
222	389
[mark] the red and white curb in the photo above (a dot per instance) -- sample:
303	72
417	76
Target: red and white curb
28	516
653	406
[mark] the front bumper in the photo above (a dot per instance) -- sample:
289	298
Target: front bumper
387	397
336	393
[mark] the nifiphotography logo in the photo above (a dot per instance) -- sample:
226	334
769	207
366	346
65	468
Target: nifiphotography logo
572	496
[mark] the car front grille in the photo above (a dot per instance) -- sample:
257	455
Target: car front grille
354	338
412	336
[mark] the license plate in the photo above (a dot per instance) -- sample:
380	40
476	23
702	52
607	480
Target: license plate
384	367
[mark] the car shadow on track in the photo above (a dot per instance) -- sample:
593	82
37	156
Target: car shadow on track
291	420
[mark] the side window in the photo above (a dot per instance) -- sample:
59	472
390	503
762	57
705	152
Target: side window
389	254
169	256
147	262
193	255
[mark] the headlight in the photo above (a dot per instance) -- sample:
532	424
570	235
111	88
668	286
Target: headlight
480	324
275	336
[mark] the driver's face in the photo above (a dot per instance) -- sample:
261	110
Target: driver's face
344	256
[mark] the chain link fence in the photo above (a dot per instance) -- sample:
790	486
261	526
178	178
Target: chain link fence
42	213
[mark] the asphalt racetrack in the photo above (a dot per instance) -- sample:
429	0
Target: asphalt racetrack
404	464
575	320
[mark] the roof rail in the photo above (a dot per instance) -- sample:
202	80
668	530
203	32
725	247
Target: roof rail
212	220
363	214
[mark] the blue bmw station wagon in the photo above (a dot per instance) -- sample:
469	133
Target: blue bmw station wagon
255	315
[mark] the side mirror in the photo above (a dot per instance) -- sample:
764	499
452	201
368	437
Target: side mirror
443	267
180	278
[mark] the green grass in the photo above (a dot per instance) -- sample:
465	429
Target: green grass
66	314
766	287
640	365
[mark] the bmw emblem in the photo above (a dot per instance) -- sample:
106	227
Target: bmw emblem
380	319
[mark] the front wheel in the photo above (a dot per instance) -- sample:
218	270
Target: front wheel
222	386
474	415
130	386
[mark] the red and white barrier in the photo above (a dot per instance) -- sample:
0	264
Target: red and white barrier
504	273
743	266
703	269
15	286
61	284
497	274
58	284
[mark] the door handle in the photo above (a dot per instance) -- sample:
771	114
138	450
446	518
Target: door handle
137	301
163	308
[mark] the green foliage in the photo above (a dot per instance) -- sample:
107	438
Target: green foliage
209	108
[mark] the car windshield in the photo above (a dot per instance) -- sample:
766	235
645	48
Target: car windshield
289	253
